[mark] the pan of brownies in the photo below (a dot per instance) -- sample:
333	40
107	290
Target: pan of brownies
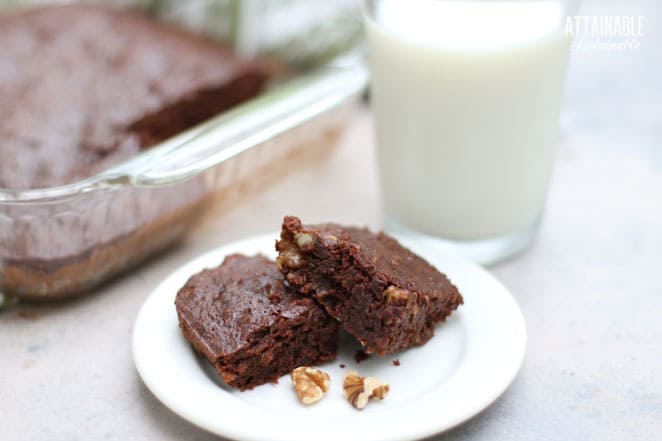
118	130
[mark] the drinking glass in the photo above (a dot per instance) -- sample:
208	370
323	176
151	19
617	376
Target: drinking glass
466	98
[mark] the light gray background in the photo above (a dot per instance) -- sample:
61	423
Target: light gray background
590	288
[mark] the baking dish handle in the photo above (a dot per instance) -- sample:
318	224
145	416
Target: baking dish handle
272	113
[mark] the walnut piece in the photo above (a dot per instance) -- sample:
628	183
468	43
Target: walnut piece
303	239
359	390
289	256
310	384
393	294
330	239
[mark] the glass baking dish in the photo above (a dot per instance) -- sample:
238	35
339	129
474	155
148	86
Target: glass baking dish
60	241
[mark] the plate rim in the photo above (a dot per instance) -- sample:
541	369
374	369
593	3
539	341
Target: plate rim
197	263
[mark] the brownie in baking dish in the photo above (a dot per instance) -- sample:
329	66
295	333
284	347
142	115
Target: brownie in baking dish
83	87
382	293
252	327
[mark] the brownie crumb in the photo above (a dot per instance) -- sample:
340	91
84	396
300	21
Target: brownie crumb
396	362
342	366
361	355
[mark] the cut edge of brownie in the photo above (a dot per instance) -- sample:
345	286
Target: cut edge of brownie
162	80
278	354
259	361
385	313
301	333
197	107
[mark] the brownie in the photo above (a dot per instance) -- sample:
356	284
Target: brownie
84	87
382	293
250	325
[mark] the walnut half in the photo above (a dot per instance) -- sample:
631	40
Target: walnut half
359	390
310	384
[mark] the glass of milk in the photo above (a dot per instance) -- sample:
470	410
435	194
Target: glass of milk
466	97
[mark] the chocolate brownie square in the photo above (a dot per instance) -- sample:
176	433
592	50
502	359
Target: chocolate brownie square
252	327
382	293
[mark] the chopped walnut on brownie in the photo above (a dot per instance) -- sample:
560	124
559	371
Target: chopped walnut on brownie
382	293
250	325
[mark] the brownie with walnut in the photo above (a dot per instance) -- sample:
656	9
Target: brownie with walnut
386	296
250	325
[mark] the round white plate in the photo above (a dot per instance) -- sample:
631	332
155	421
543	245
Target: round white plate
470	361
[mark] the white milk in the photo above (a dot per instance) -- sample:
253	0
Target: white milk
466	96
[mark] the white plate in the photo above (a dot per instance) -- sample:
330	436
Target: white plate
470	361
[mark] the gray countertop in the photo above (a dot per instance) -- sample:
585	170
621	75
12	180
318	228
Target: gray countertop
590	287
